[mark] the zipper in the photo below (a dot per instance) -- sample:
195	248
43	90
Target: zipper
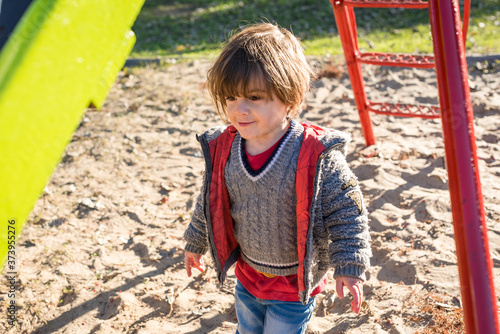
206	204
315	198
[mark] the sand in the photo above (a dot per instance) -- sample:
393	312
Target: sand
102	249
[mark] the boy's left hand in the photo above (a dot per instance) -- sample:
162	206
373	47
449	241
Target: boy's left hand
355	286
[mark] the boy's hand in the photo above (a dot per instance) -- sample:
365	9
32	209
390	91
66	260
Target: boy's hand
193	260
355	286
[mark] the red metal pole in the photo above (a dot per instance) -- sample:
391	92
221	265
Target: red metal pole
474	261
466	20
346	25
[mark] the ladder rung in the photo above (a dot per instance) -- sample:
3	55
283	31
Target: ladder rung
404	110
387	3
396	59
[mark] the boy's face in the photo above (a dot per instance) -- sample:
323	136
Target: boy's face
259	119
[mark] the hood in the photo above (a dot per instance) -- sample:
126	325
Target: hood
334	139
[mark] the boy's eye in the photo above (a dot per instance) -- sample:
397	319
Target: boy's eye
230	98
254	98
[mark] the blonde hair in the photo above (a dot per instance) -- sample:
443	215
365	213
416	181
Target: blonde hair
263	52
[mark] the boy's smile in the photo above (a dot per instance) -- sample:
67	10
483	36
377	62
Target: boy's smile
244	124
260	119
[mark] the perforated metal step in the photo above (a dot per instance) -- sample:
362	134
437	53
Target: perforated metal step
396	59
387	3
404	110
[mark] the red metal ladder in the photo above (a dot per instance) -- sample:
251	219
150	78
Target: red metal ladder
346	24
455	110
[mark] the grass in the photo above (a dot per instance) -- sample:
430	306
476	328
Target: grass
187	28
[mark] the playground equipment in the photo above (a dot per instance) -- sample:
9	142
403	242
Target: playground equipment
60	57
455	111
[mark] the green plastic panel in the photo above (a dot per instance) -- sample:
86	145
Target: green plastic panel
62	56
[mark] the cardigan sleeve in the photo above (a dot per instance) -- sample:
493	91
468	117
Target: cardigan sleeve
196	234
345	218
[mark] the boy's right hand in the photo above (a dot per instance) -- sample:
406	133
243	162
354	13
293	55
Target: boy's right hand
193	260
355	287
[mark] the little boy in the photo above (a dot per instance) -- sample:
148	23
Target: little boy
278	198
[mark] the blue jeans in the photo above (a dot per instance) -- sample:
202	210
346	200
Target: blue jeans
260	316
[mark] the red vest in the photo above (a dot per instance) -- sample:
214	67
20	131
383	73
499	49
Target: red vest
221	224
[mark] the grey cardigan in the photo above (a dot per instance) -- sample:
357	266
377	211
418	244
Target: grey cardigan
338	236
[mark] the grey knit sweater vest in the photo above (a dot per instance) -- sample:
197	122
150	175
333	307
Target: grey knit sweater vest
263	205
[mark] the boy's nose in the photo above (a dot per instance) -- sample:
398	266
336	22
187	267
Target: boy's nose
242	107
